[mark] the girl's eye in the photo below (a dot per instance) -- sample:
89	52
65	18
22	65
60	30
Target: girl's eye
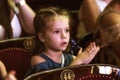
56	32
67	30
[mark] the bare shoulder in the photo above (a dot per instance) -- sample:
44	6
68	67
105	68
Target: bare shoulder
36	60
110	19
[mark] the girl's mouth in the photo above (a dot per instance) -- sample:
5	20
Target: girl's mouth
64	44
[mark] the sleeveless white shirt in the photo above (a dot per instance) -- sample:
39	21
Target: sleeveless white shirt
16	27
101	4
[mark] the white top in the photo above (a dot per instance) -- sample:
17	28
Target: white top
101	4
16	28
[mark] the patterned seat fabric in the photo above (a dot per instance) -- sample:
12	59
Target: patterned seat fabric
16	55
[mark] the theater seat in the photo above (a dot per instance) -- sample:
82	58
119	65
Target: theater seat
16	54
80	72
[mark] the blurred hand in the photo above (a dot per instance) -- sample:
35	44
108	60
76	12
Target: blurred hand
11	76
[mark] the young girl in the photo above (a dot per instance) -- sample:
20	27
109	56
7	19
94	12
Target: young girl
107	35
52	27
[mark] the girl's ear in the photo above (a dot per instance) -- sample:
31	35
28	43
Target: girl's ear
41	38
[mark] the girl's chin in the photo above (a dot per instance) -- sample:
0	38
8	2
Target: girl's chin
63	49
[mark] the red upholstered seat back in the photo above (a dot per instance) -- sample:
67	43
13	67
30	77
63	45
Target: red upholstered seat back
81	72
16	55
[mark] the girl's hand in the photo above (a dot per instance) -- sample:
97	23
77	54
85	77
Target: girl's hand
84	57
88	54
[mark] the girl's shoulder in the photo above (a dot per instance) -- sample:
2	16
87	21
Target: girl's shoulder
36	59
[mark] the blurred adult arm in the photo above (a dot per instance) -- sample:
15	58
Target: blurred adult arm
89	12
25	14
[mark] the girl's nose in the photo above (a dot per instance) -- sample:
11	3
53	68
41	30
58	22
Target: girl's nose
64	34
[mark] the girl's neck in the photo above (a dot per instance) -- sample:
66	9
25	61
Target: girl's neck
55	56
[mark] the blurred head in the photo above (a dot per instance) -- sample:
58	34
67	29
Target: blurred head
113	32
5	18
108	29
52	28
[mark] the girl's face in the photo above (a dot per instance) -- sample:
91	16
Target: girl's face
111	34
56	36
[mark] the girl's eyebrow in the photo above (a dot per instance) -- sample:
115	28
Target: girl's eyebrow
115	26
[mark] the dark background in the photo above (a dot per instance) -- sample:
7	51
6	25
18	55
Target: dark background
69	4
